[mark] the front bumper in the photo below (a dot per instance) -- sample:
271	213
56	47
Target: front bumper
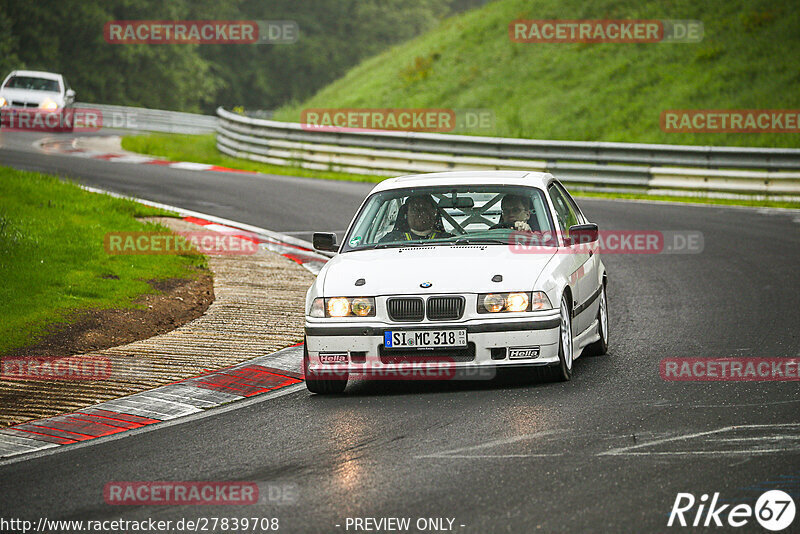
489	341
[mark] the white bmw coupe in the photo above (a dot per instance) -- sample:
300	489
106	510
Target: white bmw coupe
461	271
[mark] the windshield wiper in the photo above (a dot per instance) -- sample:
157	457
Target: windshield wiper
479	241
405	244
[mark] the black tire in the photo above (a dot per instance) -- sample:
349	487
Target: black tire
322	386
600	347
562	371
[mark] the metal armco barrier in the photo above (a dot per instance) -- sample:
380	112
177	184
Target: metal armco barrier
598	166
153	120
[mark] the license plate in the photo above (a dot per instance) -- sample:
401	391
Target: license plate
422	339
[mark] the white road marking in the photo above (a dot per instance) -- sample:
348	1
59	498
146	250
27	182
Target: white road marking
145	405
13	444
189	166
130	158
87	154
221	228
626	451
762	438
759	404
701	453
489	444
471	456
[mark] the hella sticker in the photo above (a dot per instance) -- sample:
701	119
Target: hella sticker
519	353
339	357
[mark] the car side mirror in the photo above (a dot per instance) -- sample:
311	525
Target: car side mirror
325	241
583	233
70	94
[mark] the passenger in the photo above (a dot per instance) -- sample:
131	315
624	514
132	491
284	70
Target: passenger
517	214
422	218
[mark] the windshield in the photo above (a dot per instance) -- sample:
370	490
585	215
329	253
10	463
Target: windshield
448	215
32	84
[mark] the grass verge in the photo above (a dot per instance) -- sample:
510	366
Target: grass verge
52	257
202	149
585	91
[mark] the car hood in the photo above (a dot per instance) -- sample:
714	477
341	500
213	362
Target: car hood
449	269
26	95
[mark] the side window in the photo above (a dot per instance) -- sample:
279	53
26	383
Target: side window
565	213
572	203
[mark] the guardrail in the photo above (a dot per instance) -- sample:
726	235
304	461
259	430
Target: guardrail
153	120
599	166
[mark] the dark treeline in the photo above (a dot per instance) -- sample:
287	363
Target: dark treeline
67	37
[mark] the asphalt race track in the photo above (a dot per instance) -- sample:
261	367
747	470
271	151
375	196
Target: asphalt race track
607	452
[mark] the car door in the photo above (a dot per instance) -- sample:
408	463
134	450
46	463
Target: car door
582	258
592	280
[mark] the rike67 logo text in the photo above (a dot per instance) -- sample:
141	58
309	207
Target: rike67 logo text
774	510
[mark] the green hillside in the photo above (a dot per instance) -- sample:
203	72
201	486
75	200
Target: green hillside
748	59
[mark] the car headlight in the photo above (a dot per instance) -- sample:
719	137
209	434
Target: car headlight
363	307
343	307
48	105
492	302
338	307
513	302
518	302
3	102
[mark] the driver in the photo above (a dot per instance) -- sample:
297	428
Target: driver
422	216
517	214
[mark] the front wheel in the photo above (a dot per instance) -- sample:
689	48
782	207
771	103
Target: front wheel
323	386
562	371
600	347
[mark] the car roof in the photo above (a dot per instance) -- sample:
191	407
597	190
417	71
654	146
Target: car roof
524	178
36	74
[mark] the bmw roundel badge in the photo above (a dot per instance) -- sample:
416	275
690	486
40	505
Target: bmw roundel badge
425	285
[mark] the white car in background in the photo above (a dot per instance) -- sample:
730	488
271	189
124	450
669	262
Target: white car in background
496	282
36	91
